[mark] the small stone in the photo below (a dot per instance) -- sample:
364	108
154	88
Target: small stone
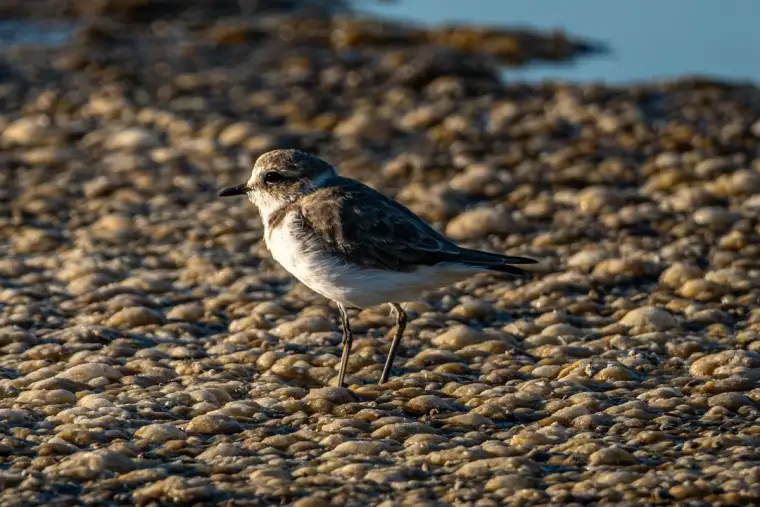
587	260
135	316
32	240
311	501
51	397
702	290
427	402
649	318
615	372
471	310
400	431
478	180
99	461
562	329
56	447
213	424
309	324
714	216
48	155
222	450
593	199
86	372
678	274
236	134
132	138
336	395
731	401
188	312
26	131
687	490
94	402
471	419
725	363
498	466
176	489
549	371
481	222
457	337
614	478
510	482
160	432
611	456
361	447
530	438
14	416
115	228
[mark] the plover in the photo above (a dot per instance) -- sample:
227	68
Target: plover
352	244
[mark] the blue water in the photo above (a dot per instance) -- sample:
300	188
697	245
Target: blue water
649	39
17	33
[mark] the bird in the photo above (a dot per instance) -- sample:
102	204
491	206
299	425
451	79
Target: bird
354	245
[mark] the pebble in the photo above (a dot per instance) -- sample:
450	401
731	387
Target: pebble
189	312
480	222
160	432
458	337
337	395
714	216
136	316
132	138
612	456
724	364
95	463
427	402
731	401
679	274
400	431
212	424
87	372
509	482
311	502
494	466
236	134
649	318
47	397
361	447
176	489
302	325
26	131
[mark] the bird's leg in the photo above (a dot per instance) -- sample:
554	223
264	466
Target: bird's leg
347	340
400	326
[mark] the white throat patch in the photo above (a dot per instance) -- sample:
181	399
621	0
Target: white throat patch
268	204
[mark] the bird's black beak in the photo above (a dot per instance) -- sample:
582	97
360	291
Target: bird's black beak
236	190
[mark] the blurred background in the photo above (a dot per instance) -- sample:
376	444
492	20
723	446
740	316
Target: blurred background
642	40
647	39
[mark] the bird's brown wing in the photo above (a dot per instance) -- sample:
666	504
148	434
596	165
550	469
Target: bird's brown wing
366	228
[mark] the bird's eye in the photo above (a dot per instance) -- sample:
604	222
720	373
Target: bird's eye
273	177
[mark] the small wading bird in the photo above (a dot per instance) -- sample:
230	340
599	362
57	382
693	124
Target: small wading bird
352	244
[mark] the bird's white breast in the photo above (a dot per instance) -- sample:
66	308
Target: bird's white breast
351	285
313	268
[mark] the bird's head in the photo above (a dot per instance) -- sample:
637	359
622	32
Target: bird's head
280	177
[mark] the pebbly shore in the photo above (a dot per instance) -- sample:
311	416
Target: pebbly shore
152	353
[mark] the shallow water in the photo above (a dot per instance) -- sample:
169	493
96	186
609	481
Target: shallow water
649	39
17	32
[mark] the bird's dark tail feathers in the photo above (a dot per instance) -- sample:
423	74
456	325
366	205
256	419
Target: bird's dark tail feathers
495	262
